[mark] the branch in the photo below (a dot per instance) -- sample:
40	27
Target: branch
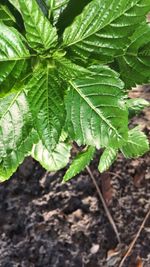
135	239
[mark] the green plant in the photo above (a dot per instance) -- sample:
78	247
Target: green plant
63	82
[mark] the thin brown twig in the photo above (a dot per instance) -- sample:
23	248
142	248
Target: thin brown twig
104	204
135	239
102	200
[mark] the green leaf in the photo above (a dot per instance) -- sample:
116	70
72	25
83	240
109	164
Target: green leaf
137	104
15	3
107	159
68	69
135	65
12	47
96	113
79	163
6	16
56	7
16	136
104	27
55	160
137	144
40	33
45	95
10	73
13	55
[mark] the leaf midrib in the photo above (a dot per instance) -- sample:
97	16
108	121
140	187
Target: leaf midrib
16	58
37	28
87	36
3	7
60	5
10	105
93	108
133	143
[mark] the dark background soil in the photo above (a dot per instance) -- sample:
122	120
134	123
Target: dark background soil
44	223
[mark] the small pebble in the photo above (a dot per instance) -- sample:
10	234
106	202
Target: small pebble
94	249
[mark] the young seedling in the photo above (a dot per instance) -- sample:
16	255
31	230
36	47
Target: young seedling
65	73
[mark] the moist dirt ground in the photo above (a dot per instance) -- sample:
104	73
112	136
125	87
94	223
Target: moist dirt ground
44	223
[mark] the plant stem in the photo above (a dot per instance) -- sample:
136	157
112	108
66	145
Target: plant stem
104	204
